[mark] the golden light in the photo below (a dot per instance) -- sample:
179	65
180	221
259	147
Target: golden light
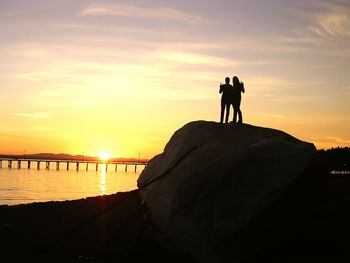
104	156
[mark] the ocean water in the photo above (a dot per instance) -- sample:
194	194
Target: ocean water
21	186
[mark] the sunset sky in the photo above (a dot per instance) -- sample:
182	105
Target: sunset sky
84	77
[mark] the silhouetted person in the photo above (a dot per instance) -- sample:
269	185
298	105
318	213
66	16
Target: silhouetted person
238	87
226	90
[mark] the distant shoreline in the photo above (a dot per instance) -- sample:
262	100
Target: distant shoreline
61	156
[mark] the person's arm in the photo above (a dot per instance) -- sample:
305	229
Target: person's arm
242	87
220	90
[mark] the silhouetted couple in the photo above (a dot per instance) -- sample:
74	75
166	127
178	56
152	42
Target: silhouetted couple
231	95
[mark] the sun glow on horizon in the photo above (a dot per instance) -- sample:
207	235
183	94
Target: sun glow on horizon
104	156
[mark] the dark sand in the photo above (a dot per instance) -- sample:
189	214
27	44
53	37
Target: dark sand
68	232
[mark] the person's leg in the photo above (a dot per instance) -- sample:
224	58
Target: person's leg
233	111
240	118
234	114
222	112
227	112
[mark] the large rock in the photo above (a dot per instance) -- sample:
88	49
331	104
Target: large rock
213	179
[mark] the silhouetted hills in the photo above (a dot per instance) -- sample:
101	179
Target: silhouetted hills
63	156
59	156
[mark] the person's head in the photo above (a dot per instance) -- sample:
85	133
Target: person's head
235	79
227	80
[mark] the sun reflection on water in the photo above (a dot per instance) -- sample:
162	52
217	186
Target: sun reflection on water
103	179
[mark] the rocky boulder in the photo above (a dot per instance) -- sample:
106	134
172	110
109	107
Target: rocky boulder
213	179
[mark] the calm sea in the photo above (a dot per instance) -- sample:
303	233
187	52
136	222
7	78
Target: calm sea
21	186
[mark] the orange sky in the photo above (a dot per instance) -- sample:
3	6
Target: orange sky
84	77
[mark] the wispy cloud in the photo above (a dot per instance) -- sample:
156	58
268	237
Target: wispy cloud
338	140
332	21
41	128
141	12
46	75
332	25
36	115
271	83
193	58
277	116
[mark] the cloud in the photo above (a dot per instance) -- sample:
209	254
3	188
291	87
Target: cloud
277	116
192	58
46	75
36	115
333	22
133	11
332	25
40	128
266	83
339	141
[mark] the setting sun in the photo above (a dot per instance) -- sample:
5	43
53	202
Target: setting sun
104	156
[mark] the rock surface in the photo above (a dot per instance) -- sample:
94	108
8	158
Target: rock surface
214	180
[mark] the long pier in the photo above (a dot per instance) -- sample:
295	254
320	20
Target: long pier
66	163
